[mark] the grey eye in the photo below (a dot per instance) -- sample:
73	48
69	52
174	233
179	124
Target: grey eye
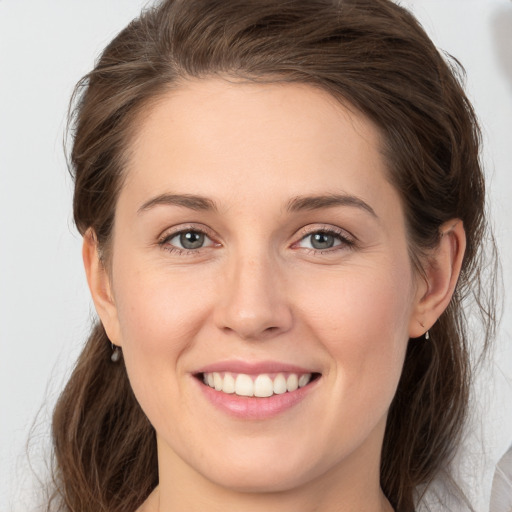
322	240
191	239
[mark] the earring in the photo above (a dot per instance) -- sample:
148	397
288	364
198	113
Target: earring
116	353
427	336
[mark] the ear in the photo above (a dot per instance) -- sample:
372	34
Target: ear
100	286
441	274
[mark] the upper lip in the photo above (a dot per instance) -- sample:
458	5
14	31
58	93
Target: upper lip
253	368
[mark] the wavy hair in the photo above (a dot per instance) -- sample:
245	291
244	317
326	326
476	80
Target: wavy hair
371	54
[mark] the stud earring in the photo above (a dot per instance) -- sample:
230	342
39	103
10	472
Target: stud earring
116	353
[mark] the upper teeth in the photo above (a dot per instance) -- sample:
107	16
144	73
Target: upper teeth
256	385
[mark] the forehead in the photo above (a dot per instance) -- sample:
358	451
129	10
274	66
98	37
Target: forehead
254	142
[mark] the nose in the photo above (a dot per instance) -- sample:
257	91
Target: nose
252	301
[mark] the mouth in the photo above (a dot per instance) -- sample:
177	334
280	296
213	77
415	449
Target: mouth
261	385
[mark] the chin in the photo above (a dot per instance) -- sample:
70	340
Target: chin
259	480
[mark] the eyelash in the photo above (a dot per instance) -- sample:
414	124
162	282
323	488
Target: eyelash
346	241
163	242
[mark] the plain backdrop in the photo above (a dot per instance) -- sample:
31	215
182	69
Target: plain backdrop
45	311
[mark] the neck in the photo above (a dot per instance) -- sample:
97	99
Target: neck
351	488
159	502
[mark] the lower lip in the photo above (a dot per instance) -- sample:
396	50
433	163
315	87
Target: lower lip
255	408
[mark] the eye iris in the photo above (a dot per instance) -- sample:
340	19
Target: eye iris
192	240
322	241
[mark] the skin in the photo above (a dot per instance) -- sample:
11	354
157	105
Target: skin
259	291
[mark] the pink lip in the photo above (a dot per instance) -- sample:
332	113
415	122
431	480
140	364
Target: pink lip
253	368
254	408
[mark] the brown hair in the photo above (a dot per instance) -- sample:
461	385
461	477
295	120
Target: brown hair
371	54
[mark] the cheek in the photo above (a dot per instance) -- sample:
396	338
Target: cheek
362	320
159	315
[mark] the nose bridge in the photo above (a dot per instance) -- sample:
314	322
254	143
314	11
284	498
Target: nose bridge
253	302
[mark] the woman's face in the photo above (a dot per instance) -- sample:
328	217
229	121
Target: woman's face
257	247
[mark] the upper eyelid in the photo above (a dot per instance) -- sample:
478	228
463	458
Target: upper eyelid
300	234
183	228
325	228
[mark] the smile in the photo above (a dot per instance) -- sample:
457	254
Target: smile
255	390
262	385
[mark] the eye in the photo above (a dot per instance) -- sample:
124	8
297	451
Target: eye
189	240
321	240
325	239
186	240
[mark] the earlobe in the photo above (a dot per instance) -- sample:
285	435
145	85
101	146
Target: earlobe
441	275
100	286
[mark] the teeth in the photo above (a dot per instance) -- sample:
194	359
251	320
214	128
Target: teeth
303	380
228	386
292	382
280	384
263	386
217	381
244	385
260	385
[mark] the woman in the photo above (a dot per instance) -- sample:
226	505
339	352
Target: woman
283	210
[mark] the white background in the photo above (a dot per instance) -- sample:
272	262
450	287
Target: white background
45	312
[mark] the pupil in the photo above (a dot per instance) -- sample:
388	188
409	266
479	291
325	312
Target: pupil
191	240
322	241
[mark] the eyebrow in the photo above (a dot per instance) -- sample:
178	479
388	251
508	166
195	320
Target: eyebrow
327	201
299	203
193	202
